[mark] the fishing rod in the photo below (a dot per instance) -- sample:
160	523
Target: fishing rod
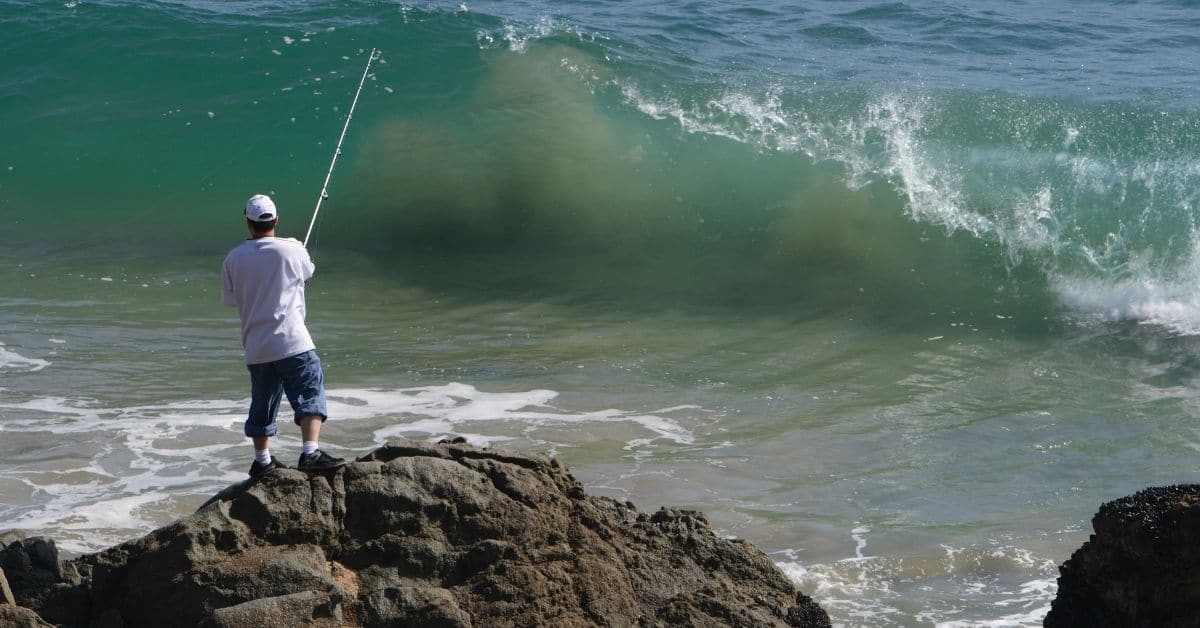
338	151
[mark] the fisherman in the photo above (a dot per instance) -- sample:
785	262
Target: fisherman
264	279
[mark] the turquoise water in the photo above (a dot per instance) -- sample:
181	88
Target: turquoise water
900	292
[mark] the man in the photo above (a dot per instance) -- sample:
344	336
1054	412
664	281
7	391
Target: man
264	279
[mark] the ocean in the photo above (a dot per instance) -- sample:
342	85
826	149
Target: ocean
901	292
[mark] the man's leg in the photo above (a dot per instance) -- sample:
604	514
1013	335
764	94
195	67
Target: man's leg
304	383
266	391
312	458
310	427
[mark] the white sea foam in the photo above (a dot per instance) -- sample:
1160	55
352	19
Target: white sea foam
736	115
933	190
517	36
1035	224
13	361
893	123
1139	295
1146	301
867	590
440	409
132	458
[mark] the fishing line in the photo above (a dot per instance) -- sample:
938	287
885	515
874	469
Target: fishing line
338	151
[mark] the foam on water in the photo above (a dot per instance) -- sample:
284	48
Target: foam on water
441	409
1141	293
891	121
1145	301
517	35
876	590
13	361
732	114
128	460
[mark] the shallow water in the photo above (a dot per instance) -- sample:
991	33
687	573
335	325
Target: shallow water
927	473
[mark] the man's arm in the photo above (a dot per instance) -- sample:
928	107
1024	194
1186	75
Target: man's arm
307	266
228	296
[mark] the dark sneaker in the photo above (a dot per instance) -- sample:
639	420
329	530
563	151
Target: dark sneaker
257	470
318	461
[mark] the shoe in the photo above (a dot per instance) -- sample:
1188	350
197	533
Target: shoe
257	470
318	461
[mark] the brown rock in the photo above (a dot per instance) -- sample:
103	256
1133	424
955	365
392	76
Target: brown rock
1139	568
18	617
6	594
417	534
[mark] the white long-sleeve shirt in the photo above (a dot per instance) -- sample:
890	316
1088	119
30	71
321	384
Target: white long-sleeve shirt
264	279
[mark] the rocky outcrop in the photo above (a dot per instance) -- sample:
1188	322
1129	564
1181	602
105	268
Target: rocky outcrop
18	617
30	571
1140	566
416	535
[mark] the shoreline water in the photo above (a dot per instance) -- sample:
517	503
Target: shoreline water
637	422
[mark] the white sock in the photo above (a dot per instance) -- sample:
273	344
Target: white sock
262	456
310	446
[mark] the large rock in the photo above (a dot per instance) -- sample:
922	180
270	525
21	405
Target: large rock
18	617
1140	568
422	535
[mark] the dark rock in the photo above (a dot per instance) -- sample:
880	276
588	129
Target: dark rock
418	534
1139	568
18	617
40	580
30	562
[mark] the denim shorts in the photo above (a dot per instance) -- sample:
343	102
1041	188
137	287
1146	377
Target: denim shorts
299	376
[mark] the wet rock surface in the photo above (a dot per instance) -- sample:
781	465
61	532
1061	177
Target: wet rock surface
414	534
1140	566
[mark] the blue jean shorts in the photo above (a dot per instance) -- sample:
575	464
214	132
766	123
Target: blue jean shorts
299	376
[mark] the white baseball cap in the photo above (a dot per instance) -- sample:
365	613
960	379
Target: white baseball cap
260	208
